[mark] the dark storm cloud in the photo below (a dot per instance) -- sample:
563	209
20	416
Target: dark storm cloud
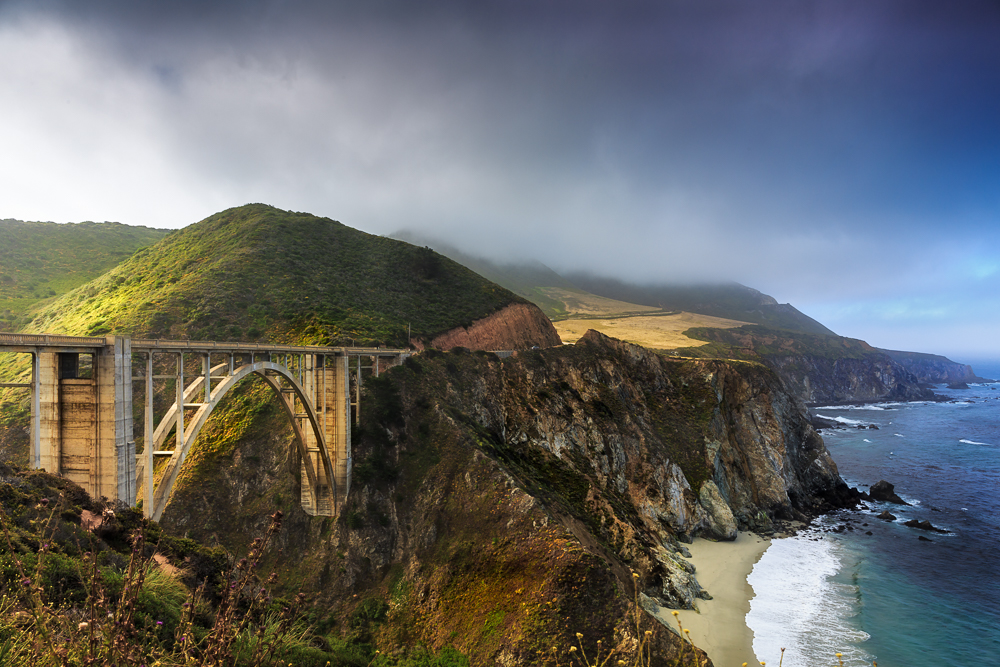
827	153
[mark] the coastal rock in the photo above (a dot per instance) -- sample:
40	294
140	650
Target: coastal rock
884	491
933	368
886	516
872	376
923	525
720	524
821	423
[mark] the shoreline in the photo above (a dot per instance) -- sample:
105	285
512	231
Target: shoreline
719	626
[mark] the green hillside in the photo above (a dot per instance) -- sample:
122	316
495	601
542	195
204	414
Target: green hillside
40	260
259	273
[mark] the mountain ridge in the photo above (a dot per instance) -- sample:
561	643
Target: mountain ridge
256	272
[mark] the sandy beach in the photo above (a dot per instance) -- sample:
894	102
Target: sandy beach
720	628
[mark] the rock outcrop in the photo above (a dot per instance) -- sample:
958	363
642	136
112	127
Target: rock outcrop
886	492
821	368
506	503
933	368
873	377
519	326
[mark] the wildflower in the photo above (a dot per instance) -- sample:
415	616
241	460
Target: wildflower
579	635
83	626
159	623
675	613
26	582
572	649
635	575
649	632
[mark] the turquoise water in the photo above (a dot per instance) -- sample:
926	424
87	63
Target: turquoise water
889	596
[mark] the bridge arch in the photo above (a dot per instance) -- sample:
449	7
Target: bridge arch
274	374
82	423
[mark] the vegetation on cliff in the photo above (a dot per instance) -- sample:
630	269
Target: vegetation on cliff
259	273
500	506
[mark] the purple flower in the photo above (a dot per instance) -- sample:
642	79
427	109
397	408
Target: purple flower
159	622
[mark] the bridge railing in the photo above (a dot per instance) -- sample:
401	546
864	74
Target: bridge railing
55	340
204	346
44	340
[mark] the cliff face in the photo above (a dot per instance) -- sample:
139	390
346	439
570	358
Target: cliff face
818	368
933	368
519	326
824	380
501	505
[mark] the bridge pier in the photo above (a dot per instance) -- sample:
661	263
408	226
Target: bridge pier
326	379
83	425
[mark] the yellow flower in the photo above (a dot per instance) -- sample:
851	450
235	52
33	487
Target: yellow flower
676	613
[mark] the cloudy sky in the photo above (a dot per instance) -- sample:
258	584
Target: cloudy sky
843	156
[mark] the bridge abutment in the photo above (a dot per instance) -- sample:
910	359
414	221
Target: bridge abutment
85	423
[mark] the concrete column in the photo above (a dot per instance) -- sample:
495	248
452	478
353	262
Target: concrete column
339	398
113	467
147	492
45	412
315	383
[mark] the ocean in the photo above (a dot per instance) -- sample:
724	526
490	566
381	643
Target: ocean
889	596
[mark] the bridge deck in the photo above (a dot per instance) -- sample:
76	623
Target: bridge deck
29	342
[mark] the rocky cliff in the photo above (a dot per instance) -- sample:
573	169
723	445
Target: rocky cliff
519	326
933	368
501	506
873	377
817	368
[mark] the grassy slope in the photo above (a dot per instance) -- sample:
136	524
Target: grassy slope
256	272
754	340
40	260
730	301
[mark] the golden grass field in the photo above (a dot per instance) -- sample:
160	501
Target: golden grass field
657	332
642	325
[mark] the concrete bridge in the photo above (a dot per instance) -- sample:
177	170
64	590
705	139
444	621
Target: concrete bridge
83	393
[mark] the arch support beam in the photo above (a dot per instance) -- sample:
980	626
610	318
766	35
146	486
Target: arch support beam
319	480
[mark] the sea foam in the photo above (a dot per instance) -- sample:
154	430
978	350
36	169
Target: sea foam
843	420
798	607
